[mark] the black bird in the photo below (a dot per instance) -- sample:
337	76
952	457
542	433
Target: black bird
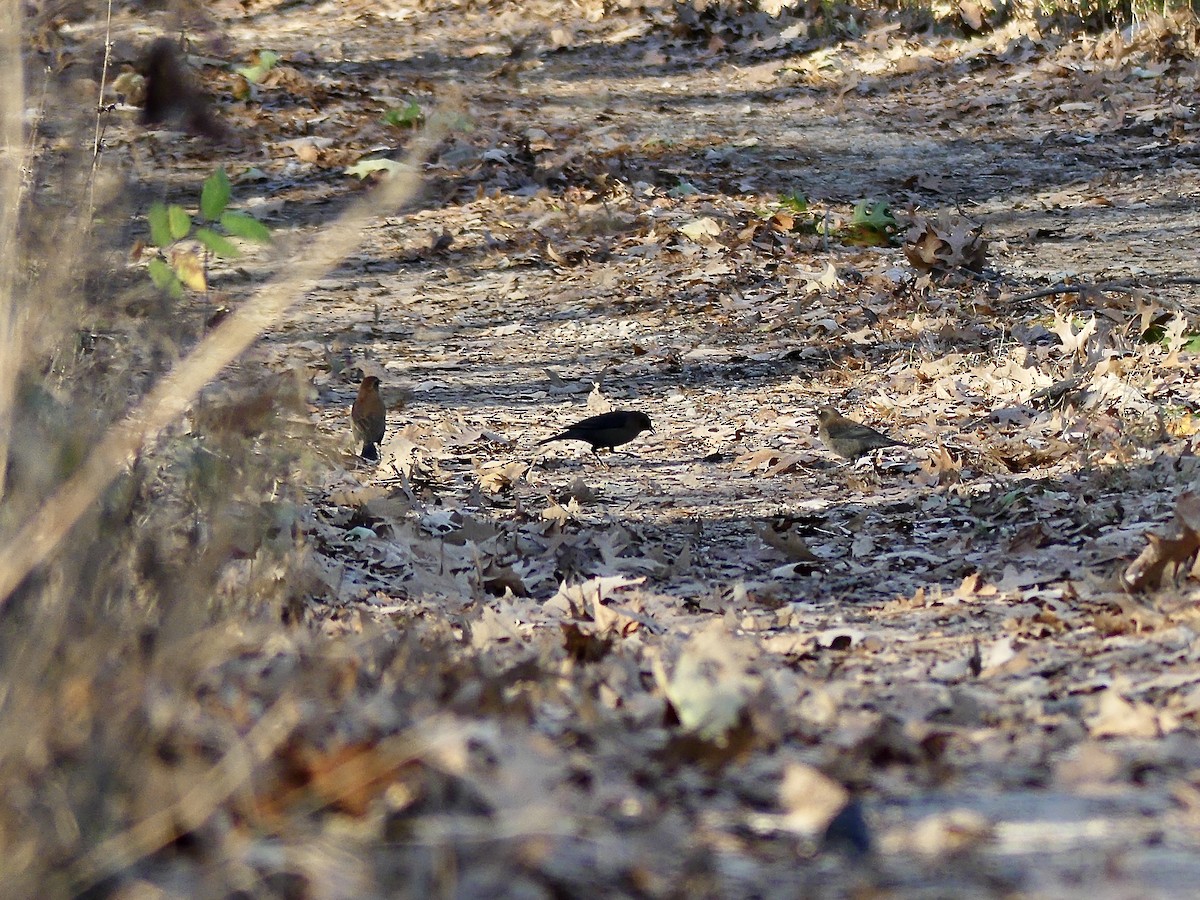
848	438
610	429
173	95
848	831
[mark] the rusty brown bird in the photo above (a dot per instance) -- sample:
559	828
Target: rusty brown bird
369	417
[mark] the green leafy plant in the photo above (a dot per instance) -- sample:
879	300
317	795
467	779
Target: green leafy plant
409	116
1161	333
792	213
251	76
796	203
871	225
262	65
366	167
174	266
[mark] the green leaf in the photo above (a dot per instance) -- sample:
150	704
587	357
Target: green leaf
217	243
874	215
1155	334
179	222
795	202
258	71
408	117
871	225
215	195
365	167
1192	343
244	226
160	272
165	279
160	231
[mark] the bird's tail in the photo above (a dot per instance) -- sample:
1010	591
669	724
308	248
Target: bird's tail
557	437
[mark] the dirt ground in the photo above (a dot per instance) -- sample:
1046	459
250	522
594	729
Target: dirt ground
664	673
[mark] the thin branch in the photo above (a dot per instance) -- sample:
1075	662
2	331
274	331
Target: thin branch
13	157
1125	284
100	112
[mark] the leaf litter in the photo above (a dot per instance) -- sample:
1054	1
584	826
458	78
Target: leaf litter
722	661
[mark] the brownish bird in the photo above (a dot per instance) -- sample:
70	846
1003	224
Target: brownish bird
369	417
610	429
848	438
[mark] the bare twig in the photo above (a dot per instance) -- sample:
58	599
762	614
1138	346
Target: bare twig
1126	284
100	112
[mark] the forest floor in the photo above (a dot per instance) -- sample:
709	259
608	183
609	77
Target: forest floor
664	672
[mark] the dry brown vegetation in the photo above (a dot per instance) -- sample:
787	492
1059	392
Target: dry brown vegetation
236	660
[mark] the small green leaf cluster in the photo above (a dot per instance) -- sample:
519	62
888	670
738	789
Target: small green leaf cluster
871	225
409	116
258	71
172	269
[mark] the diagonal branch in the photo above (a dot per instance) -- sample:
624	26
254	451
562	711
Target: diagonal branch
34	543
